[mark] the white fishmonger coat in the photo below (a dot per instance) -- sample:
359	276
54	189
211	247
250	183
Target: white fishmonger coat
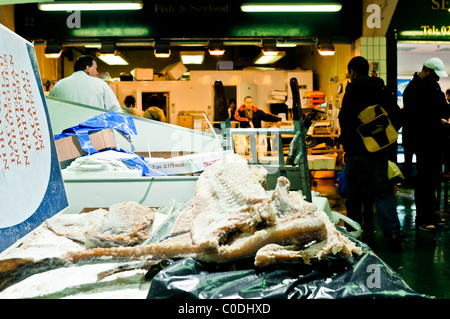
85	89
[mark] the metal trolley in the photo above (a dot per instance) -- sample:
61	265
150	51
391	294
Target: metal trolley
295	166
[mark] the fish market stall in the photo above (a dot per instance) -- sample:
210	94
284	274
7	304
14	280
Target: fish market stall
220	234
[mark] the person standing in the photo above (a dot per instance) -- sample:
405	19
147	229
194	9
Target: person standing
153	111
425	113
366	173
84	86
249	115
129	107
231	109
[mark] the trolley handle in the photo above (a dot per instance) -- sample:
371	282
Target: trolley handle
296	103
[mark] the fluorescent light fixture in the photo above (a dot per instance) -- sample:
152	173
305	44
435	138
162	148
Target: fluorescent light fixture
326	49
291	7
90	5
216	47
112	59
286	45
94	45
269	59
109	54
192	57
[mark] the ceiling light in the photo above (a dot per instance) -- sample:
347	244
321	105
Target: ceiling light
269	47
53	50
109	54
326	49
269	59
286	45
162	49
112	59
108	47
93	45
216	47
90	5
291	7
192	57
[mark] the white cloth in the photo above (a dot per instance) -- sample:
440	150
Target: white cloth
109	160
85	89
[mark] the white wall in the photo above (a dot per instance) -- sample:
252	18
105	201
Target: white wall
198	93
409	62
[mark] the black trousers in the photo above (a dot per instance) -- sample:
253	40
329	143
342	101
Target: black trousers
367	178
428	168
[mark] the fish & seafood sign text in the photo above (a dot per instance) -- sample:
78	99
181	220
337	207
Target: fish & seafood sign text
227	308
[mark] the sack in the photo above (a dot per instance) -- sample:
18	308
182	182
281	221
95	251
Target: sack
376	129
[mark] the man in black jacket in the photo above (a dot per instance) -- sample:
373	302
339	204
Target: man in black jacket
366	173
249	115
425	114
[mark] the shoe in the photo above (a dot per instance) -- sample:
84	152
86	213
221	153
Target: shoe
427	228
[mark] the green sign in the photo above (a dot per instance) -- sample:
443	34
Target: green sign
421	20
188	19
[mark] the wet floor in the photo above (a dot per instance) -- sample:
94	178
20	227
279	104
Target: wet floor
424	258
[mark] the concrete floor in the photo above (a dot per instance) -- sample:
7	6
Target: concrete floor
424	259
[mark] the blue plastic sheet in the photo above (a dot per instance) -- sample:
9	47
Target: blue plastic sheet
138	161
341	182
111	120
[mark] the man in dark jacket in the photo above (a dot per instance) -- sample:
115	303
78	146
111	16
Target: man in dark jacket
366	173
425	112
249	115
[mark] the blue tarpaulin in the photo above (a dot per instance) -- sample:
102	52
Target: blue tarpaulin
111	120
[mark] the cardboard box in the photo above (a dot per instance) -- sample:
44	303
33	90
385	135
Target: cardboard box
224	65
69	147
198	124
174	71
185	121
321	162
142	74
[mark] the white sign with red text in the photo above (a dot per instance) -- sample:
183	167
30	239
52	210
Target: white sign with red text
27	173
186	164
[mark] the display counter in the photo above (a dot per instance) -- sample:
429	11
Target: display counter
101	189
34	268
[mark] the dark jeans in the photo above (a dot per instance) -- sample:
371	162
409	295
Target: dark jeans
367	177
428	167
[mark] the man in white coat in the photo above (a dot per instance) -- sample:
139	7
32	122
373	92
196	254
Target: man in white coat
84	86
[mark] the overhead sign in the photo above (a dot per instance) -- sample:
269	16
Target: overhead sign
177	19
429	23
31	183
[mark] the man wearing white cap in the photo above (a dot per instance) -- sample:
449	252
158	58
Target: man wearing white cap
425	107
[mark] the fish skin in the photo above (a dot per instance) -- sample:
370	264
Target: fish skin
26	267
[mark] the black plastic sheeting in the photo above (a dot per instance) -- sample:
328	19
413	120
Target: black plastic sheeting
362	277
